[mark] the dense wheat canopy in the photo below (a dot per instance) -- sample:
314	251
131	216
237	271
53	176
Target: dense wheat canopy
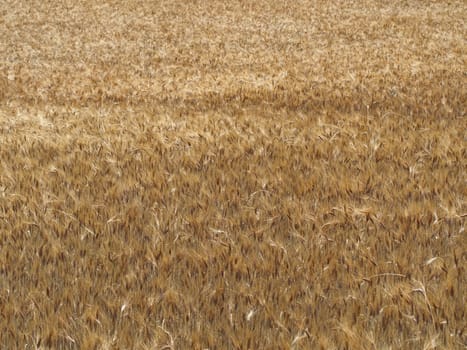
233	174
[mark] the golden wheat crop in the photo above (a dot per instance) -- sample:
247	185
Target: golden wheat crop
233	174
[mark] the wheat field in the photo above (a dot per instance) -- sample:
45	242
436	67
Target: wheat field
233	174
